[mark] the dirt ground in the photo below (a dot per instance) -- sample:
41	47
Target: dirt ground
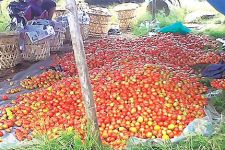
9	73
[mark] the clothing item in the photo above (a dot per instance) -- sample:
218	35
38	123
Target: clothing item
215	71
41	11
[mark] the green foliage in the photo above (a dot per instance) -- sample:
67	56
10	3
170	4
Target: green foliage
4	16
176	15
141	30
206	82
217	31
67	141
219	102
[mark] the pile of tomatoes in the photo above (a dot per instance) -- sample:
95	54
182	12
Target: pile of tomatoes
143	101
143	87
176	51
43	80
218	84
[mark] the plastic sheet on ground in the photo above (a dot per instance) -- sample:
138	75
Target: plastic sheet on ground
31	71
205	126
177	27
9	140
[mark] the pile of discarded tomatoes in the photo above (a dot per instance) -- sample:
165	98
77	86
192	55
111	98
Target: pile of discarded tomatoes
43	80
143	87
218	84
176	51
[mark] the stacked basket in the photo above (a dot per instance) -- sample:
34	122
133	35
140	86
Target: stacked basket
126	15
10	54
99	21
36	51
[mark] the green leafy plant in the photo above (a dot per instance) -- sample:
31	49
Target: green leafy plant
219	102
176	15
4	16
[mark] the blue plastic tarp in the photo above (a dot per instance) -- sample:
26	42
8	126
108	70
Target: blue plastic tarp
219	5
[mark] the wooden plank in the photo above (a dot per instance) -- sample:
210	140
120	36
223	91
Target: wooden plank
80	59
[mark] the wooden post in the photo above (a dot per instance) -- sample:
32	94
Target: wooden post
81	64
154	10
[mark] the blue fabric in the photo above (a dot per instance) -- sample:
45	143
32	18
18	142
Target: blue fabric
215	71
219	5
177	27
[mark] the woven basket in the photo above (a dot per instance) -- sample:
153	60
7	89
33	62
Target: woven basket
84	32
10	54
59	12
84	29
126	24
99	22
126	15
36	51
67	34
56	42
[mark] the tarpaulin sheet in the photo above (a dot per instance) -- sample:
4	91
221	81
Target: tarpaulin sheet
205	126
219	5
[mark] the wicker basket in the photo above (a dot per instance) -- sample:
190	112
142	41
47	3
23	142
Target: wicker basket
56	42
84	32
84	29
126	15
36	51
99	22
59	12
126	24
10	54
67	34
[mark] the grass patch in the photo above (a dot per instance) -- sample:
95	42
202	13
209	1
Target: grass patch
176	15
139	30
67	141
216	30
4	16
219	102
206	82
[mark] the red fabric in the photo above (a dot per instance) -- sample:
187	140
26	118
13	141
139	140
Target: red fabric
28	14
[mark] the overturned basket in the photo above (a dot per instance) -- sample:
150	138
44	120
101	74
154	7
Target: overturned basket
36	51
126	15
99	22
10	54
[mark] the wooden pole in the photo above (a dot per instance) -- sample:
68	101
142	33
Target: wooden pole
81	64
153	10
